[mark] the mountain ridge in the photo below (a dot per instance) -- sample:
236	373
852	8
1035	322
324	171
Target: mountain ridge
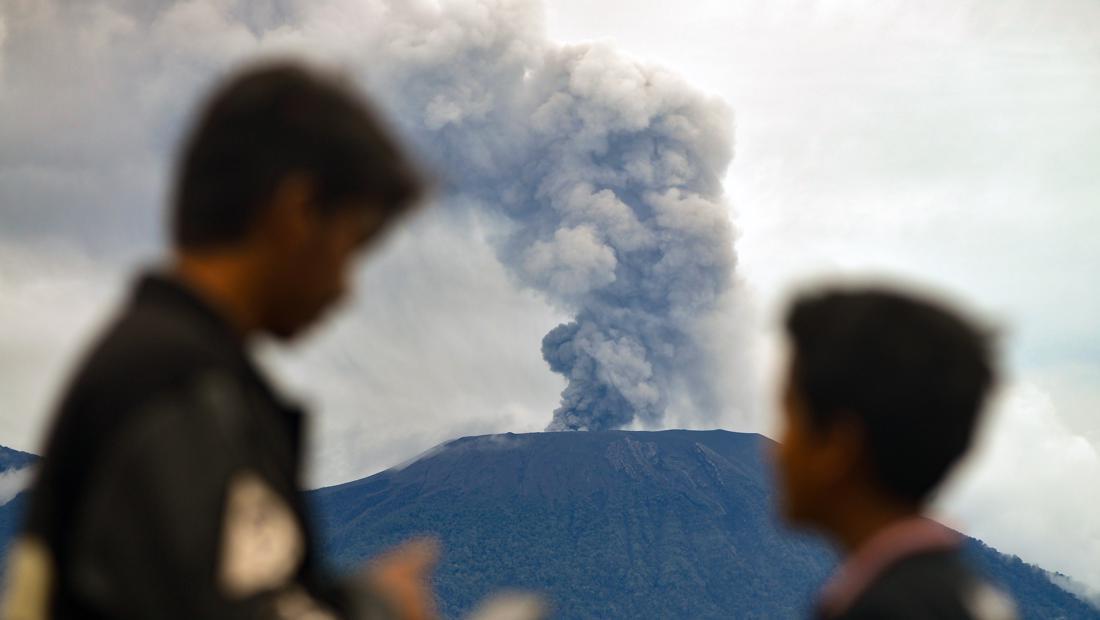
534	511
12	459
646	524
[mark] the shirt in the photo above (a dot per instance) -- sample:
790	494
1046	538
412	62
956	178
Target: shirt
169	483
911	569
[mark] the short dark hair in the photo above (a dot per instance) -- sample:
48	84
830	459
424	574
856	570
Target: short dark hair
914	374
268	122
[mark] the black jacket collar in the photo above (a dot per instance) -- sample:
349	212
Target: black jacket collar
161	289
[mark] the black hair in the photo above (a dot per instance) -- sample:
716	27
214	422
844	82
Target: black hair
271	121
913	374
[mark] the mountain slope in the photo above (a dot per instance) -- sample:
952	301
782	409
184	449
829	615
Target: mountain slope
11	519
616	524
11	460
14	477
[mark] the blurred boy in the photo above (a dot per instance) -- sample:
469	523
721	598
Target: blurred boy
881	398
169	485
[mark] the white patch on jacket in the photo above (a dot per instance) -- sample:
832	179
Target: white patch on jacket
262	544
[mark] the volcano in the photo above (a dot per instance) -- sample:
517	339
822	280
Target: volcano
614	524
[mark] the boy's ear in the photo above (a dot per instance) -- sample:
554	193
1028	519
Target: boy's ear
845	447
290	216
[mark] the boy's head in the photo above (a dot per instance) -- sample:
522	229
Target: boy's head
289	172
881	397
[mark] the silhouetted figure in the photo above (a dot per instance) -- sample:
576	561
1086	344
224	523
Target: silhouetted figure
169	487
881	398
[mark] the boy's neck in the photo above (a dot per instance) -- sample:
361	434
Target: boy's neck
859	519
225	284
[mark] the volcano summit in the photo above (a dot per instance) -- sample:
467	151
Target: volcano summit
614	524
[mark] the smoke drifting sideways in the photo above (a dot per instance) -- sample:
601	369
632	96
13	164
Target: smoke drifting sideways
605	172
608	172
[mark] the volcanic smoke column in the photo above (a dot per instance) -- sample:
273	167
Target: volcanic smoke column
608	173
604	172
627	226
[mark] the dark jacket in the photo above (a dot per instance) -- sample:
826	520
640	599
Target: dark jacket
935	585
134	496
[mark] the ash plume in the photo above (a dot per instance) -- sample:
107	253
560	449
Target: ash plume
609	174
605	171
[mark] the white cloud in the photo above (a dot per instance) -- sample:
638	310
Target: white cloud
52	297
13	481
1030	487
945	142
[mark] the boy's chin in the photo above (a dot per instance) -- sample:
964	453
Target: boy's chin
796	518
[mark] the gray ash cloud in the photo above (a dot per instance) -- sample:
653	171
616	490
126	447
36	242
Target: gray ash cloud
605	171
609	174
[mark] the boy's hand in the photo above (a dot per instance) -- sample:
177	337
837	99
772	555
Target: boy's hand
402	576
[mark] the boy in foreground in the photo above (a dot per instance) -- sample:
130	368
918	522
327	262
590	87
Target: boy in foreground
169	484
881	397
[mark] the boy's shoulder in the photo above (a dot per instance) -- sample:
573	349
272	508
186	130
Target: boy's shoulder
934	584
159	341
153	339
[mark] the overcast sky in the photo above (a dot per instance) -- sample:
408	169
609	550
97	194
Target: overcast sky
952	145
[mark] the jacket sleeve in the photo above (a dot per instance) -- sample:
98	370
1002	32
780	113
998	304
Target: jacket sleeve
178	524
149	542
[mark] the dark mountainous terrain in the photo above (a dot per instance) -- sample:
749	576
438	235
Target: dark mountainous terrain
11	460
615	524
10	512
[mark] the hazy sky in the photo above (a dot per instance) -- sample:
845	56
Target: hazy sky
951	144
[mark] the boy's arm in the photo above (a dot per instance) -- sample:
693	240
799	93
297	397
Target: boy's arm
149	540
30	576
